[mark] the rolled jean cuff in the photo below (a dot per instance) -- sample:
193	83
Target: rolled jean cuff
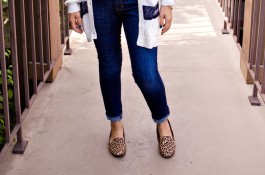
161	120
115	119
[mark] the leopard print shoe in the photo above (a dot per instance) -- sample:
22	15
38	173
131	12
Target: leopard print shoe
117	147
167	145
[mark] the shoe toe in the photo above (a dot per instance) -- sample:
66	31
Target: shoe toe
117	147
167	146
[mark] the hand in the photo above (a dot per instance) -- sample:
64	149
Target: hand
165	18
76	22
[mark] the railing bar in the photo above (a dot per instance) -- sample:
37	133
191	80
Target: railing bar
235	17
226	8
263	82
14	58
260	44
24	51
66	24
33	46
253	41
232	13
229	11
4	76
68	50
15	68
262	8
239	20
47	33
40	39
62	22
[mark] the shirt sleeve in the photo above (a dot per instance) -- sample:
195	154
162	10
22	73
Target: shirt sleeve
73	6
168	3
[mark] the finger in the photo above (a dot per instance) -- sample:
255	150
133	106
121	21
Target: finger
161	23
73	24
167	24
166	28
161	20
78	29
75	27
80	24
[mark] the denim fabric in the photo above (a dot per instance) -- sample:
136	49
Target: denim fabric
109	16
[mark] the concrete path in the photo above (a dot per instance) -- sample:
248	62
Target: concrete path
217	131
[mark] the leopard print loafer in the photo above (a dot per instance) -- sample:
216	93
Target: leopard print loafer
167	145
117	147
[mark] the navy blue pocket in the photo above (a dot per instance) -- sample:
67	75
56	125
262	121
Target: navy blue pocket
151	12
83	8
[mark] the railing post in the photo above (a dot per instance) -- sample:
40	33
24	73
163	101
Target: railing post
4	77
229	11
260	48
24	52
263	80
46	33
40	37
232	14
68	50
240	5
21	144
254	24
235	17
33	55
62	21
225	8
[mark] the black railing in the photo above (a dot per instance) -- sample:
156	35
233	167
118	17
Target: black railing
234	14
26	61
256	61
233	23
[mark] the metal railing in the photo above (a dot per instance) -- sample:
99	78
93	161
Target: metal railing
29	65
256	61
234	12
65	34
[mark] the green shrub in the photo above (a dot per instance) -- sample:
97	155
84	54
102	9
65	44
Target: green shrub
10	84
2	132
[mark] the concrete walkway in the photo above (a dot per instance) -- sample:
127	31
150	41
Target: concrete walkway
217	131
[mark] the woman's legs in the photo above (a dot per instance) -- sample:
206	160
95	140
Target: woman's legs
109	17
108	45
145	68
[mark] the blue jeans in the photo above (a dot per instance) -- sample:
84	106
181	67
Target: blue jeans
109	16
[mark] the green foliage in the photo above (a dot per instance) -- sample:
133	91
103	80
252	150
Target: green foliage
2	132
10	83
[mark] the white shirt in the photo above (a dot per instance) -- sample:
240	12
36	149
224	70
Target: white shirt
148	20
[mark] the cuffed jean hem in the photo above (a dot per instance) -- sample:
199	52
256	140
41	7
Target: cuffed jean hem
115	119
161	120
